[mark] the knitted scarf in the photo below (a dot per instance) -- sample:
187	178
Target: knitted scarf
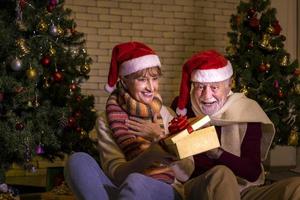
120	105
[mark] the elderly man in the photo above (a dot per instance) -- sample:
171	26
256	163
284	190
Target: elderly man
233	171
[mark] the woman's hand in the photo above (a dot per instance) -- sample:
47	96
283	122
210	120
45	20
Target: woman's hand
146	129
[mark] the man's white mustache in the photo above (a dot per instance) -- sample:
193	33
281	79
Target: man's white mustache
205	101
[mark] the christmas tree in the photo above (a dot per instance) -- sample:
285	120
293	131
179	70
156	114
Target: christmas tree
263	68
43	62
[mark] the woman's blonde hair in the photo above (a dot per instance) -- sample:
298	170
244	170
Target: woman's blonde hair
153	71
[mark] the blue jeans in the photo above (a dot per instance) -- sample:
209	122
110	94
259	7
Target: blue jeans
88	182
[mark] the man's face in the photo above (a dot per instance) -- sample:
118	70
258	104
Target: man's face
210	97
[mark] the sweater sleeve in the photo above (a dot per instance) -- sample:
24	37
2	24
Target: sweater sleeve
111	156
247	166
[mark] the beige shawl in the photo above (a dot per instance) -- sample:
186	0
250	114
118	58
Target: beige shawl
233	117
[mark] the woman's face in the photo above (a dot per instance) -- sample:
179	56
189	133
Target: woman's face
144	86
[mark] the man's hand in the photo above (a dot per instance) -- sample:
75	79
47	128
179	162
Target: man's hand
214	153
149	130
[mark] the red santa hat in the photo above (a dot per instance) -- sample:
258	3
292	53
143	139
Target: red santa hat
205	66
128	58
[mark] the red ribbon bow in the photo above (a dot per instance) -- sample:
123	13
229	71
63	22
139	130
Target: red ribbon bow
178	124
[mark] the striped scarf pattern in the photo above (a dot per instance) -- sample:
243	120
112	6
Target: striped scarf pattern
120	105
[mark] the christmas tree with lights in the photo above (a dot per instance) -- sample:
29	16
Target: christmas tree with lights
42	65
263	68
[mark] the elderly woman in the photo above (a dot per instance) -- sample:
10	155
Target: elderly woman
134	165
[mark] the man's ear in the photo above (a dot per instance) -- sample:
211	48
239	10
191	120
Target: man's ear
231	82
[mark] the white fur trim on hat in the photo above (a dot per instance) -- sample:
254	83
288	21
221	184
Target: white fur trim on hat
212	75
137	64
109	89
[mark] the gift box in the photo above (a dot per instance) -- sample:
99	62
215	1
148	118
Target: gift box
192	137
44	173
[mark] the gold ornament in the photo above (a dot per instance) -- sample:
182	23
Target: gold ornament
83	134
85	69
21	25
293	138
230	50
62	189
247	65
60	31
265	98
21	43
45	82
233	84
270	47
36	101
6	196
83	50
29	104
31	73
42	26
270	29
268	66
244	90
52	51
277	48
284	61
265	42
297	89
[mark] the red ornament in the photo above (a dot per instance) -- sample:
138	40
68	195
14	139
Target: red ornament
297	72
251	12
50	8
59	180
45	61
19	89
71	122
262	67
22	4
280	93
77	114
1	96
276	84
19	126
282	37
78	130
78	98
53	2
250	45
254	23
238	20
73	86
57	76
277	28
73	31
